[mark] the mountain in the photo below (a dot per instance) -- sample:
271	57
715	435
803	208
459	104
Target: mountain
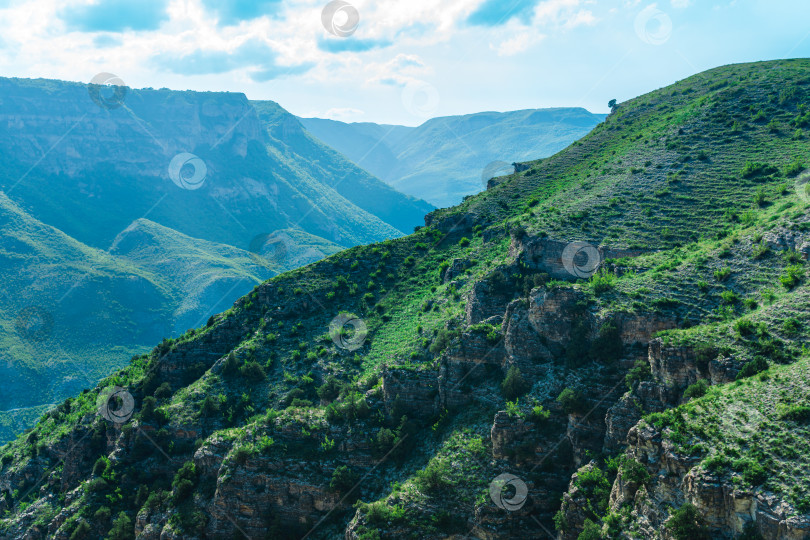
611	343
448	158
128	216
334	170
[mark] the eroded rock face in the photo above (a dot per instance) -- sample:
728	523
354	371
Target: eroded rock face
516	439
622	416
488	298
639	329
456	268
477	348
574	507
116	136
547	254
411	392
783	239
552	315
523	345
676	479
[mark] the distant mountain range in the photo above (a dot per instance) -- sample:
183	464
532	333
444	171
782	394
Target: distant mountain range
448	158
128	216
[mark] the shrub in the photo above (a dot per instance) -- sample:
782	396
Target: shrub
379	513
231	365
792	276
590	531
791	325
752	169
608	344
751	532
252	371
602	282
433	477
686	523
744	327
343	479
264	445
464	242
758	364
729	297
102	514
571	401
794	168
97	485
141	496
639	372
100	466
81	532
538	414
163	391
796	413
122	528
595	486
578	349
297	403
722	274
210	406
184	482
754	473
761	250
560	523
514	385
695	390
633	471
330	389
760	199
442	340
704	354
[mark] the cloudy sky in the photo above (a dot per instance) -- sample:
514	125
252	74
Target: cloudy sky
398	61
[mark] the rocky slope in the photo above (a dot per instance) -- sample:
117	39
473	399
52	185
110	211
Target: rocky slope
610	343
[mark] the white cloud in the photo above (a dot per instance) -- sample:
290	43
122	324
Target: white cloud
580	18
562	13
400	70
518	43
341	113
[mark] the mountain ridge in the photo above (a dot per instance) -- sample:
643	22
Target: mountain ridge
94	166
447	158
493	352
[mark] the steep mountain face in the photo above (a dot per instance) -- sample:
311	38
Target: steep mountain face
131	215
334	170
448	158
610	343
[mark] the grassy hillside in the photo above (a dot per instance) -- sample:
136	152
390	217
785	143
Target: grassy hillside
334	170
102	306
475	358
446	159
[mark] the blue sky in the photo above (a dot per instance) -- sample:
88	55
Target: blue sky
403	61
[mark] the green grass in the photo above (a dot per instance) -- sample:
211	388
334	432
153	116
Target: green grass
691	213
